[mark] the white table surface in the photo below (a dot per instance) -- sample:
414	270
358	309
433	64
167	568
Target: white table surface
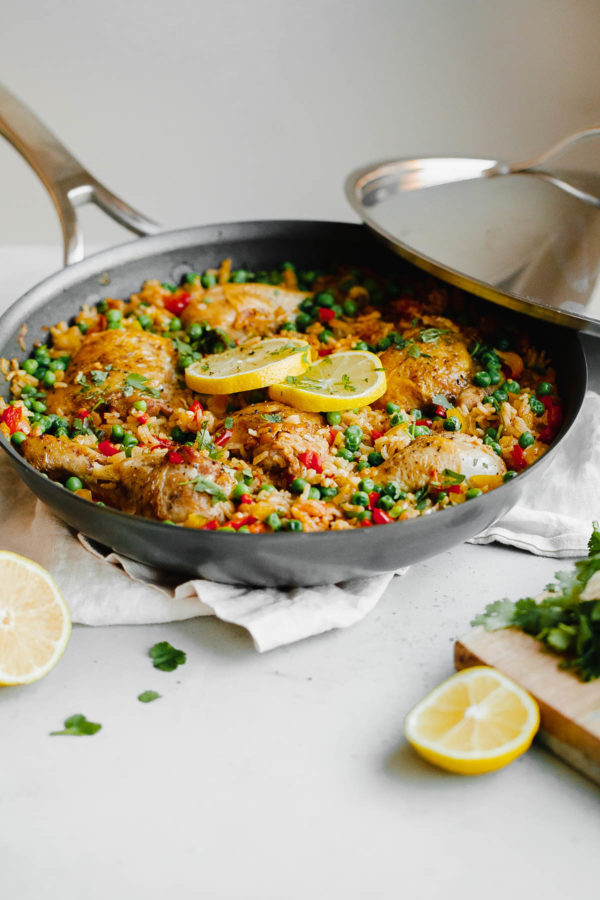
283	775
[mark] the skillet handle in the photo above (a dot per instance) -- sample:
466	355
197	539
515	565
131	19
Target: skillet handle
69	184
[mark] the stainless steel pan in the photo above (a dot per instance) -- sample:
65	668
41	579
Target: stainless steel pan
269	559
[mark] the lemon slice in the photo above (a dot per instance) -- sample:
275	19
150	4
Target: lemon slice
251	366
35	623
477	721
344	380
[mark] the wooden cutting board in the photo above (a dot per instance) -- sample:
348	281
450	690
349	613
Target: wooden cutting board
570	708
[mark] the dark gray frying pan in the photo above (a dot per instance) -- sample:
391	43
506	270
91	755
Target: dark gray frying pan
268	559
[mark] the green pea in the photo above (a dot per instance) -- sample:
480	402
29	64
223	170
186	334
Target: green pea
360	498
350	308
492	433
145	321
361	345
49	378
227	528
325	298
328	492
481	379
375	458
58	365
385	502
141	405
489	358
38	407
393	490
367	484
362	464
83	327
114	315
209	280
30	366
334	418
452	424
73	483
384	344
314	494
41	354
421	430
267	488
128	440
303	320
500	395
536	406
325	336
442	496
397	419
192	278
117	434
239	276
495	376
544	389
365	514
238	491
169	286
18	437
293	525
508	476
243	530
102	306
526	440
513	387
288	326
307	305
391	408
274	522
472	493
195	331
344	453
175	324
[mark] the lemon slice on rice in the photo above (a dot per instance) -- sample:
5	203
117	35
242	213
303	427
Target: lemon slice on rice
35	624
477	721
251	366
344	380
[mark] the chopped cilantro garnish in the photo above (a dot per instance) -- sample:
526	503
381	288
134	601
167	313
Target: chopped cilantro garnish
567	617
148	696
453	477
135	382
98	377
229	422
78	725
440	400
429	335
166	657
206	486
272	417
413	351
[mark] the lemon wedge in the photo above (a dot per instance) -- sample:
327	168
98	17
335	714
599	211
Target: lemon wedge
35	623
344	380
251	366
477	721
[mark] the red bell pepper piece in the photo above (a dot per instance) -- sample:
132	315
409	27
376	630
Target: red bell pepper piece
108	449
323	351
332	435
196	407
325	314
440	411
518	457
547	434
375	435
311	460
82	414
176	303
222	439
246	498
174	457
142	419
380	517
373	498
366	523
452	489
210	526
426	422
12	416
246	520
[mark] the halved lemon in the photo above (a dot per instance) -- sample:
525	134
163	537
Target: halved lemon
344	380
257	364
477	721
35	623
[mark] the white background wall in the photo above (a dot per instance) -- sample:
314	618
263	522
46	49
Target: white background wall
201	111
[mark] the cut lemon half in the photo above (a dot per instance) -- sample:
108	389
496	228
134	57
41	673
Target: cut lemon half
35	623
251	366
475	722
344	380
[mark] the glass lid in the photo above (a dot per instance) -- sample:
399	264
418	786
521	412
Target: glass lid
522	236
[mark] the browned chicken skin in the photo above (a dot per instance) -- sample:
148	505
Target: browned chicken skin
115	355
444	366
146	484
276	445
243	310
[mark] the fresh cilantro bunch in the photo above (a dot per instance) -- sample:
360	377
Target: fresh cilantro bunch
561	620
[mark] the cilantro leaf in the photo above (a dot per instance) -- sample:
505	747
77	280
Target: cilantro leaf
148	696
78	725
440	400
98	377
561	619
430	335
136	382
206	486
453	477
271	417
166	657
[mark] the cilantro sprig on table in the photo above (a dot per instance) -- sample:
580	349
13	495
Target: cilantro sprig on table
563	620
78	725
166	657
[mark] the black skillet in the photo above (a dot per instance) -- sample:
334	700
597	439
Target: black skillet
266	559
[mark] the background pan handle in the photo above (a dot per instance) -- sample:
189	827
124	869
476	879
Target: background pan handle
69	184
